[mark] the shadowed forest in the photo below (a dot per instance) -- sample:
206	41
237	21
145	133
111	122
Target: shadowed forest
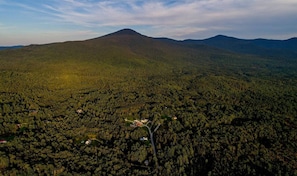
63	108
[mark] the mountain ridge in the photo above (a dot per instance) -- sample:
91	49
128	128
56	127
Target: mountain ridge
10	47
261	47
128	47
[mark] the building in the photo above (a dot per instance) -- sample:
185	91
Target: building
137	123
143	139
3	141
89	141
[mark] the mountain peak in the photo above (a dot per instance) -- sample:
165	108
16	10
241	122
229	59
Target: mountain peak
223	37
126	32
121	33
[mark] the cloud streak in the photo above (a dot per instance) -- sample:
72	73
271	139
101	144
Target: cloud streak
198	14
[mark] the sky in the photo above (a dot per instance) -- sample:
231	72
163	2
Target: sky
24	22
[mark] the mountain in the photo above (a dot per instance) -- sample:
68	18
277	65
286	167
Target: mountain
121	55
127	49
261	47
124	48
149	47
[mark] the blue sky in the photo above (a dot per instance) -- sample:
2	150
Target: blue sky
46	21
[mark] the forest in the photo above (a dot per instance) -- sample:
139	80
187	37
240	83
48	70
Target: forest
217	114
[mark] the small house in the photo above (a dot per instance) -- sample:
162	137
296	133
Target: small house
143	139
89	141
79	111
144	120
138	123
3	141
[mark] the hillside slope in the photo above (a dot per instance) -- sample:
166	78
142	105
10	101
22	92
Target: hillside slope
112	57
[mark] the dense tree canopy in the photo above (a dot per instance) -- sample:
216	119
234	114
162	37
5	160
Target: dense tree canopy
63	113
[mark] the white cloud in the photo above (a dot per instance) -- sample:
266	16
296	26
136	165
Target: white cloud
158	13
153	12
148	13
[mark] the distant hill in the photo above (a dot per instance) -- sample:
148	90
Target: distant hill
10	47
261	47
127	48
122	49
138	43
